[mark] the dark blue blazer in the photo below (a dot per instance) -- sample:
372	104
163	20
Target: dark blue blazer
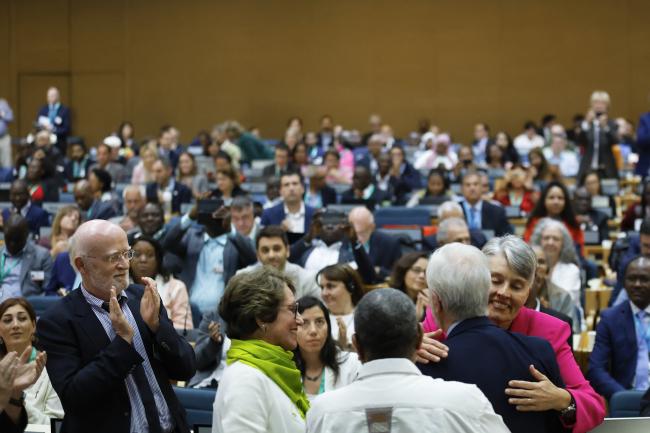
61	129
633	250
483	354
477	238
612	364
36	218
63	275
328	195
643	145
376	199
274	216
181	194
384	250
493	218
88	370
100	210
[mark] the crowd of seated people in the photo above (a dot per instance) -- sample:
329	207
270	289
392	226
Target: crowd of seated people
306	211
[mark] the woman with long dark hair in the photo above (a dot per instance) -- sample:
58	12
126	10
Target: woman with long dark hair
408	277
555	203
323	365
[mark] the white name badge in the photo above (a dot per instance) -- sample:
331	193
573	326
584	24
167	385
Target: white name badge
379	419
37	275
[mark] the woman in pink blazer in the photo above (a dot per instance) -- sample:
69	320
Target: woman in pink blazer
511	281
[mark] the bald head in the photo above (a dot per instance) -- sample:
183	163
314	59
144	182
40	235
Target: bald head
363	222
453	230
83	194
90	235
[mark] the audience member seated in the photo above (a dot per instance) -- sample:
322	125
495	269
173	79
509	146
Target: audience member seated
66	222
540	172
515	192
639	245
452	230
25	267
273	197
228	186
481	141
42	186
368	156
143	171
292	214
189	176
643	166
341	289
591	181
318	194
403	170
619	360
563	263
512	267
363	190
394	187
637	211
547	297
510	154
63	278
78	166
210	350
21	204
221	143
390	392
244	223
465	163
133	203
555	202
300	156
251	147
90	206
528	140
336	173
495	159
557	153
590	219
273	250
105	162
451	209
440	155
17	327
383	249
260	389
281	162
45	150
408	277
101	184
324	367
166	190
436	192
480	214
148	262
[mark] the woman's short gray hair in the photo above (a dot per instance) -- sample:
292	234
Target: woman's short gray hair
519	255
459	275
568	252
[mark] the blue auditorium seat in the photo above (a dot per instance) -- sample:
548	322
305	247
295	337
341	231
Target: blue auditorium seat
403	216
42	303
625	404
197	404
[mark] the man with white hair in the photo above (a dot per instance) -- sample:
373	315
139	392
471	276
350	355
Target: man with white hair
597	137
55	117
112	350
390	394
459	279
133	202
451	209
558	154
383	249
453	230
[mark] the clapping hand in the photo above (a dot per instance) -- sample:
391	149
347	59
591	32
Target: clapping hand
118	321
8	371
28	372
150	305
214	329
343	335
423	300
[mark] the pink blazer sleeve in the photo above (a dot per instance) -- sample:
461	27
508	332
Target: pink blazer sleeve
590	405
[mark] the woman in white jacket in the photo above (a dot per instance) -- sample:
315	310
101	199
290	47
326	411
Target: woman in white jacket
261	389
17	326
323	365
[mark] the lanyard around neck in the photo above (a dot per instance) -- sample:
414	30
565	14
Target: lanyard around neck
4	273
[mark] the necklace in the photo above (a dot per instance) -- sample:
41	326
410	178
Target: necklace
314	378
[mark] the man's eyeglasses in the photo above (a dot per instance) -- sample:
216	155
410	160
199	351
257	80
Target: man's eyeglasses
116	257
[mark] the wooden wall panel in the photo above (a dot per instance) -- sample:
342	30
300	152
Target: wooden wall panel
194	63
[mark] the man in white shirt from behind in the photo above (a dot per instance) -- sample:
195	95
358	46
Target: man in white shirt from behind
390	394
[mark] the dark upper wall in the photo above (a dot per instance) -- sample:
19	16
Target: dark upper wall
193	63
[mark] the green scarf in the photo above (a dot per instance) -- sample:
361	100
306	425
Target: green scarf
276	363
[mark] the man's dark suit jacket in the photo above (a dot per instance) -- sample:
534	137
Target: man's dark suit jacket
477	238
88	370
633	250
328	195
274	216
493	218
270	170
36	218
376	199
100	210
606	159
207	351
483	354
612	364
384	251
62	128
180	194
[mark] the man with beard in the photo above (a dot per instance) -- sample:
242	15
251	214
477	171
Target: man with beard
101	340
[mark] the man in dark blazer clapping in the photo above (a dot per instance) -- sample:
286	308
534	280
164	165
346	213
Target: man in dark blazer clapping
112	350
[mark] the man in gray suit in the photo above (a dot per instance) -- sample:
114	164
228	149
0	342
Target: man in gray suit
25	268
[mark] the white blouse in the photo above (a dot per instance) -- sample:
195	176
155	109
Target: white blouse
349	365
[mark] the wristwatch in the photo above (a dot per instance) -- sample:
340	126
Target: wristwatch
568	415
18	401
